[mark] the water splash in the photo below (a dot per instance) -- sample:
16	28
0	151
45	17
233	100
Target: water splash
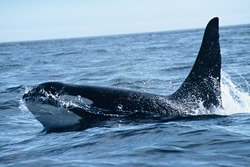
22	107
234	100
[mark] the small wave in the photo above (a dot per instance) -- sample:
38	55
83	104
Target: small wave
161	150
17	89
66	53
101	51
9	66
9	104
5	53
177	68
46	52
194	132
125	83
154	48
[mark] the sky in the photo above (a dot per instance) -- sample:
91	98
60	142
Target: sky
51	19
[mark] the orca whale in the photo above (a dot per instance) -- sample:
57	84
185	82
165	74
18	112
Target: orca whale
59	105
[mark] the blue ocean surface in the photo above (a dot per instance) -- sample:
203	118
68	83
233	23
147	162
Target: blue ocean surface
148	62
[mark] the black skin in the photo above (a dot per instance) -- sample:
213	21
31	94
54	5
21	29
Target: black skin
203	84
108	100
203	81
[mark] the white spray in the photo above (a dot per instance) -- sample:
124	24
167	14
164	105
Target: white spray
234	100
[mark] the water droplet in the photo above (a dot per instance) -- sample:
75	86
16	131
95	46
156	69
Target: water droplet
120	106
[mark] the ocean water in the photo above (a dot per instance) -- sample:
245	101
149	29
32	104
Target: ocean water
149	62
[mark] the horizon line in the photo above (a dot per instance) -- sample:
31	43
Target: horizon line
118	34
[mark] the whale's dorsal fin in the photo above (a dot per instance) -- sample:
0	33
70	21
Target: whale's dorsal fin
203	82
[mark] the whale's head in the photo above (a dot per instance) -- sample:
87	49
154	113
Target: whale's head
49	105
45	93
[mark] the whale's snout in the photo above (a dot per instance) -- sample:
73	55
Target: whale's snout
34	94
26	96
